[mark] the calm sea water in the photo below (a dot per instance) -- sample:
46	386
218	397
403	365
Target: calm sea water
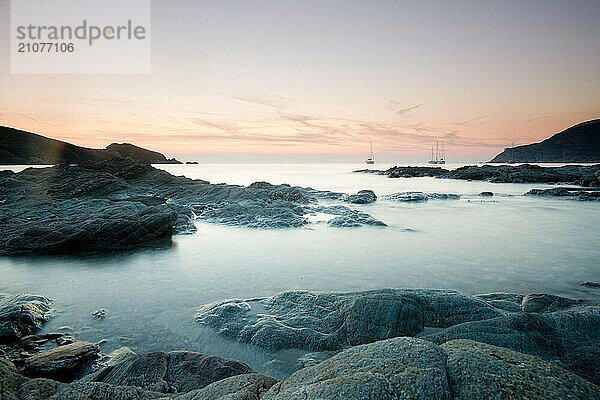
508	242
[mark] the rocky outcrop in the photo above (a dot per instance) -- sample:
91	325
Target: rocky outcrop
481	371
398	368
106	206
346	217
61	362
574	174
23	148
577	144
22	315
330	321
174	372
14	386
362	197
584	195
420	196
549	327
390	369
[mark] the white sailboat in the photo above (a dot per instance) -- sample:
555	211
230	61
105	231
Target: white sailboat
371	160
440	157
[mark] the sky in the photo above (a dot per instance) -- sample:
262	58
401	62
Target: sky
316	80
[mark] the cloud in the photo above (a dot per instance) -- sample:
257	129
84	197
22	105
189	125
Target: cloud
401	108
269	100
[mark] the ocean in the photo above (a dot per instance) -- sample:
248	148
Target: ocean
508	242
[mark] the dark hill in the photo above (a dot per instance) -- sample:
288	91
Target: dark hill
579	144
20	147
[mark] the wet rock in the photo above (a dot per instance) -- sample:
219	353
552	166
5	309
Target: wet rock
177	371
486	194
330	321
524	173
63	361
108	206
543	303
347	218
250	386
22	315
390	369
559	335
420	196
584	195
362	197
590	284
99	314
481	371
510	302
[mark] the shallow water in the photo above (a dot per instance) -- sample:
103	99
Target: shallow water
508	242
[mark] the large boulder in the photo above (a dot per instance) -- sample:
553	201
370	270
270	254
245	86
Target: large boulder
62	362
362	197
330	321
399	368
22	315
250	386
570	336
481	371
174	372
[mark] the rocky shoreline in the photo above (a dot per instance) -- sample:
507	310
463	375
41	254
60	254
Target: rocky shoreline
586	176
384	344
122	204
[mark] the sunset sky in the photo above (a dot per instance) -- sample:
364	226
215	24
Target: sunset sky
314	80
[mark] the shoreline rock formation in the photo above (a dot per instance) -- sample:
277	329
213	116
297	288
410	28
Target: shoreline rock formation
549	327
120	204
471	355
586	176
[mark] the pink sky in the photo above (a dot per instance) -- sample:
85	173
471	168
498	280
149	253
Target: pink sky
319	80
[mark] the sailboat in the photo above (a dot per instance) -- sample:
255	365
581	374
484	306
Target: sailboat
371	160
440	157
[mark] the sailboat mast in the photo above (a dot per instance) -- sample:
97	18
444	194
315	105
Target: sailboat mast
372	156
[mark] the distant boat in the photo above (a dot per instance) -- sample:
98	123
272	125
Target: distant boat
440	156
191	162
371	160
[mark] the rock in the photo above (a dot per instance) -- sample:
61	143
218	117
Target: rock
590	284
22	315
420	196
559	335
177	371
61	362
400	368
362	197
525	173
250	386
510	302
481	371
99	314
543	303
321	321
486	194
584	195
346	217
408	197
121	204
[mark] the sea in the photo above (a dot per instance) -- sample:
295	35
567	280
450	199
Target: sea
509	242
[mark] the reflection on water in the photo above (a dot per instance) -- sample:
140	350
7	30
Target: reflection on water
507	242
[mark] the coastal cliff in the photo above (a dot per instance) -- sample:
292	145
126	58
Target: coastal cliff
25	148
578	144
